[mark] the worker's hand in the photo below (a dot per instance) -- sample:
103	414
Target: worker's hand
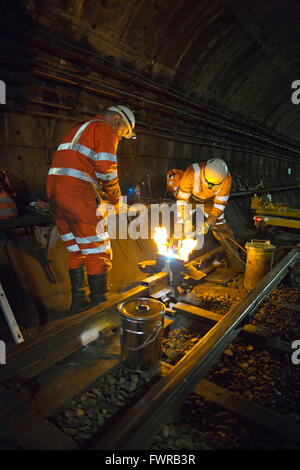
203	229
206	227
211	220
188	229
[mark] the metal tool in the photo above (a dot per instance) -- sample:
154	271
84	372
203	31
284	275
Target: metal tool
268	213
10	318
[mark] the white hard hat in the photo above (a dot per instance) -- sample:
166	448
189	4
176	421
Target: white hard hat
128	117
215	171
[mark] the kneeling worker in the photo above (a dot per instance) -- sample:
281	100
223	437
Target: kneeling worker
209	183
84	164
173	181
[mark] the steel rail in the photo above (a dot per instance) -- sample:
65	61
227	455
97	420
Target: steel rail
71	334
135	430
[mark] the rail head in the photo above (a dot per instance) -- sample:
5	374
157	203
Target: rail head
136	428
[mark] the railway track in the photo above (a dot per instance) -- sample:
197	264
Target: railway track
68	390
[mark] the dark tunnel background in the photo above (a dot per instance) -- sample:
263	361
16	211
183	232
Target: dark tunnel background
204	78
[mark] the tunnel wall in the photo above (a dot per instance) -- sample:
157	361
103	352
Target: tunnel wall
28	145
208	83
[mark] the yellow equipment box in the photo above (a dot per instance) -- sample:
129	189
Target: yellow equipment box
274	214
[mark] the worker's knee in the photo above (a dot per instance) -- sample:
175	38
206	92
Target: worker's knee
76	260
98	265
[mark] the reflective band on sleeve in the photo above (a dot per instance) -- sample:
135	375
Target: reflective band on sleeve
99	249
222	198
183	195
107	176
67	237
74	173
221	221
73	248
176	187
219	206
106	156
196	178
97	238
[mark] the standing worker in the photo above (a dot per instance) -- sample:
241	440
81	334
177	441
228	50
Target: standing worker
209	183
84	164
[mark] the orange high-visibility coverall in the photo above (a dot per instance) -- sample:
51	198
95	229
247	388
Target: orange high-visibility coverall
193	185
215	200
84	163
7	205
173	180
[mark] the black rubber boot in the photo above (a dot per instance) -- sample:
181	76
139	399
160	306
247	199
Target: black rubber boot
79	302
98	284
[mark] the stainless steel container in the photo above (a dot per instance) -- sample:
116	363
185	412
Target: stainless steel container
141	333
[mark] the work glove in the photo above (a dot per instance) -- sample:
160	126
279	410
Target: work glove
188	229
204	228
211	220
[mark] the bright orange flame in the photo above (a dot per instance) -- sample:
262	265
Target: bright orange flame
160	238
185	246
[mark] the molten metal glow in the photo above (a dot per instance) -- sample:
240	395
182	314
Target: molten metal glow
160	238
185	246
88	336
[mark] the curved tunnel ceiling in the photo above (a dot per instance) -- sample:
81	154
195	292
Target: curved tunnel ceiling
242	55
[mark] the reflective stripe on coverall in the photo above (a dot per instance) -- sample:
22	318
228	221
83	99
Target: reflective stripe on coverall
84	163
192	184
193	187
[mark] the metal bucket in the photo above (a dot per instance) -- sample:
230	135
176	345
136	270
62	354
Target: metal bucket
141	333
260	254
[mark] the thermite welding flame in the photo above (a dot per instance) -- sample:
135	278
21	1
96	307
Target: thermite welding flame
185	246
161	240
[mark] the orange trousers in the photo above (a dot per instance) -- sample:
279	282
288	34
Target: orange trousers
83	233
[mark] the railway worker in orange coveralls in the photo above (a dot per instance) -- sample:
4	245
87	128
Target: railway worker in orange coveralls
84	164
173	181
209	183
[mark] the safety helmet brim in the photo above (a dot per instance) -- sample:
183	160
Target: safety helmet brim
215	171
128	118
